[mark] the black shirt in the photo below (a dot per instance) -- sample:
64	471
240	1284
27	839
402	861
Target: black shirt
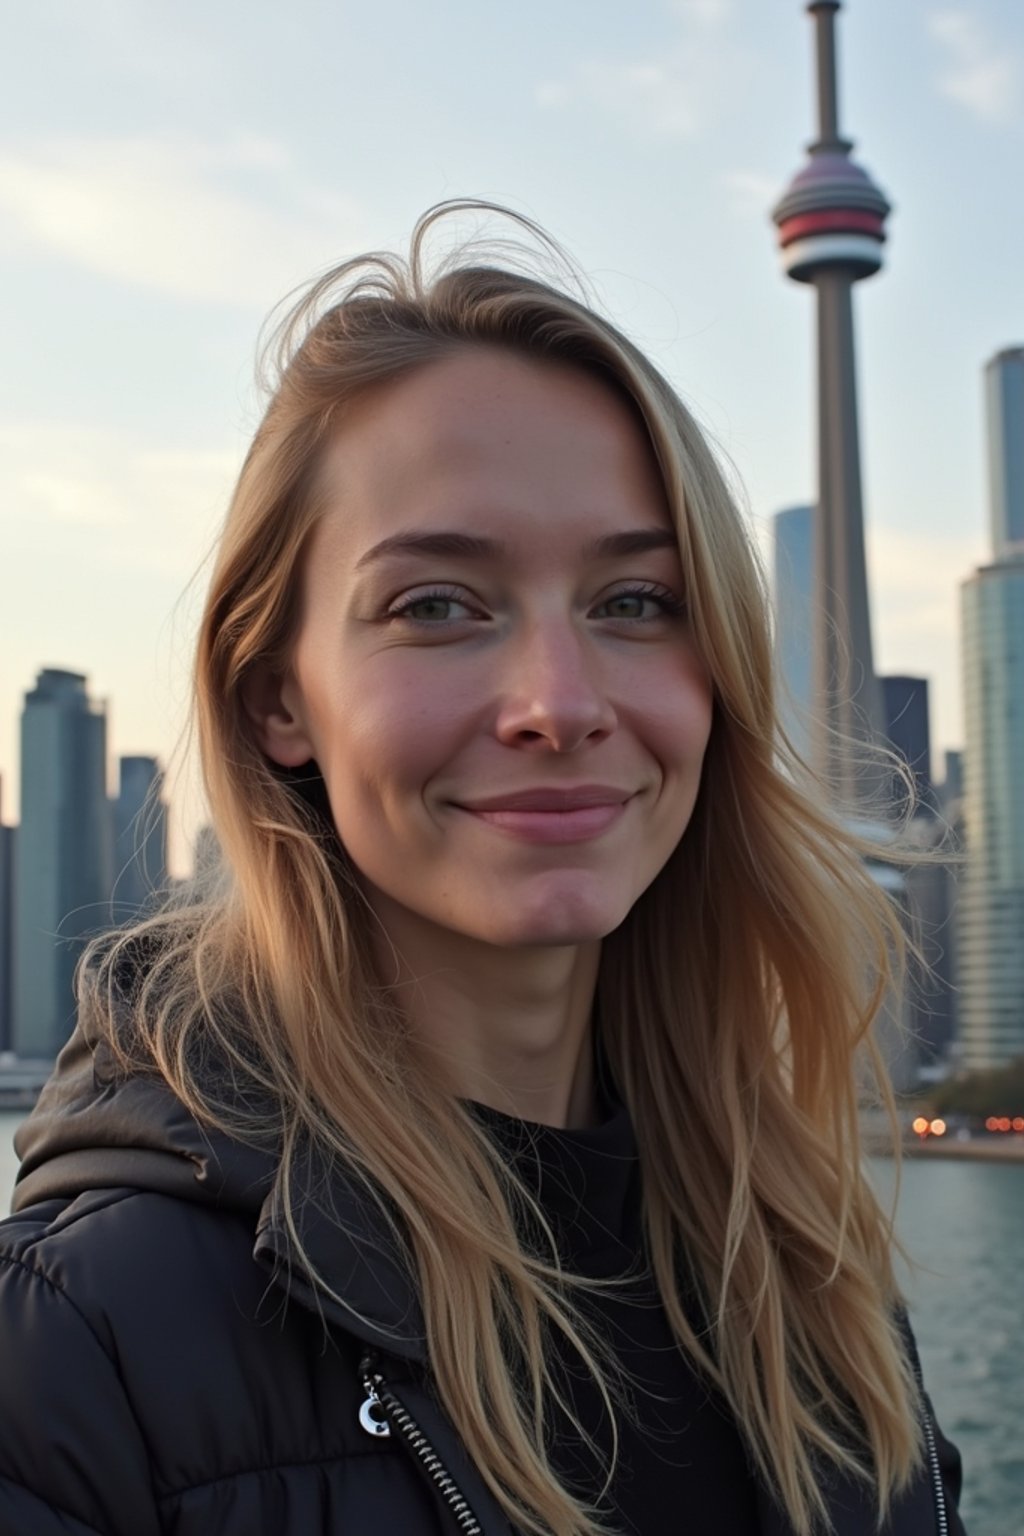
681	1463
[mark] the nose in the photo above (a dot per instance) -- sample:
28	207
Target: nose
553	696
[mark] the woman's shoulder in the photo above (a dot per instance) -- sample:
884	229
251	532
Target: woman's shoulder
63	1407
118	1289
129	1242
145	1356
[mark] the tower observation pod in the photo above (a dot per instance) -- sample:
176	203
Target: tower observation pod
831	227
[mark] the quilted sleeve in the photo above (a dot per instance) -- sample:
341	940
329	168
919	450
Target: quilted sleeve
73	1461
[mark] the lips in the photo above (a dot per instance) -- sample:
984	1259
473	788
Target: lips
551	800
552	816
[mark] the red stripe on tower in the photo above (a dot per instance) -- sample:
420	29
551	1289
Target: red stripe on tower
828	221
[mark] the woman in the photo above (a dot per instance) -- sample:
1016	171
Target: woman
481	1154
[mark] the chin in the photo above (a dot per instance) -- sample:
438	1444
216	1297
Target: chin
566	921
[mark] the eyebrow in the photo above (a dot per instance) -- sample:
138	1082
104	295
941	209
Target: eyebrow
469	546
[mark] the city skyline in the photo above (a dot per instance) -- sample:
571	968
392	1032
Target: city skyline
79	861
152	223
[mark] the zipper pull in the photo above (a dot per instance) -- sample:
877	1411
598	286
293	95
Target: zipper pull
372	1416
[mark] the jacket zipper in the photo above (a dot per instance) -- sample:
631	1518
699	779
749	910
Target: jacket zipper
379	1394
933	1463
933	1458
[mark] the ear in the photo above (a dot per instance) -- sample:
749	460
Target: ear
274	704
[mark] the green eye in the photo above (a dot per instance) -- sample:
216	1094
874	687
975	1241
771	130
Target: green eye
429	608
627	598
666	603
438	607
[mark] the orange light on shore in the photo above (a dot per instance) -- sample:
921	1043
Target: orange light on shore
991	1124
1018	1122
938	1127
920	1125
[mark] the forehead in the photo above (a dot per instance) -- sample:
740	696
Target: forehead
489	442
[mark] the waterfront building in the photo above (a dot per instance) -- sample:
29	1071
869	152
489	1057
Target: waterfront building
952	784
62	867
831	228
931	1013
990	906
140	836
7	835
793	594
1004	421
905	703
930	888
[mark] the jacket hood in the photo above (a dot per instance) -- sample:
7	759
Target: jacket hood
94	1128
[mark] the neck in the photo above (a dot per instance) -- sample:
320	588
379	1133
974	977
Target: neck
509	1028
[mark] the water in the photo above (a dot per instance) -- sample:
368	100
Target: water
964	1225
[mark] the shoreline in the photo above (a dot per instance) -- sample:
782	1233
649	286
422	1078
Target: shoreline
979	1150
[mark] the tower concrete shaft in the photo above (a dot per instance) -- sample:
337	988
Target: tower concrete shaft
831	223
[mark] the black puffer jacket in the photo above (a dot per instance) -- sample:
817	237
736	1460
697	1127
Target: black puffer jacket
165	1371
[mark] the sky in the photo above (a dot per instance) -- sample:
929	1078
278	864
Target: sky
170	171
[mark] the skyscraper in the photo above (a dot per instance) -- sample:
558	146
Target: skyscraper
990	908
62	865
140	836
1004	411
831	223
905	702
793	571
7	835
953	783
930	1005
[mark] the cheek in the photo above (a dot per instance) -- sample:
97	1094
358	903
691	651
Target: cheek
674	714
385	736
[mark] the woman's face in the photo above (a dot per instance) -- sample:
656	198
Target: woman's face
494	668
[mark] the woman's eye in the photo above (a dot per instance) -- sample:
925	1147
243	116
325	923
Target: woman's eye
632	604
430	608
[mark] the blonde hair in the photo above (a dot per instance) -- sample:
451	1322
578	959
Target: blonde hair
735	1000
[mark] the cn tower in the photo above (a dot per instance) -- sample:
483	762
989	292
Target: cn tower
831	223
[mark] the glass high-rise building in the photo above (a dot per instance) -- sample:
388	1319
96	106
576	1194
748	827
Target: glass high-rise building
62	866
1004	413
140	837
990	906
6	932
990	947
905	702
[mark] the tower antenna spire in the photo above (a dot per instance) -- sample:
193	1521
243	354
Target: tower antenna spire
831	224
824	13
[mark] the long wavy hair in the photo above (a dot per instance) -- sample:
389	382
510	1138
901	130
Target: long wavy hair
736	1000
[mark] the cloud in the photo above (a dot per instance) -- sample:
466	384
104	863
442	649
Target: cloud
225	223
751	193
665	97
703	12
980	74
124	504
650	99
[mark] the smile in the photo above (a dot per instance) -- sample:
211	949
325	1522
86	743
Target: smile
575	825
